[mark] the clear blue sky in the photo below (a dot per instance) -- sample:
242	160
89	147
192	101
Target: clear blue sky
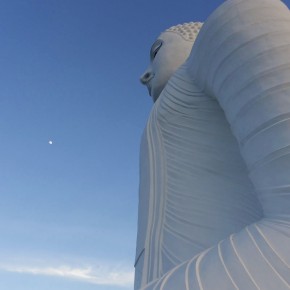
69	72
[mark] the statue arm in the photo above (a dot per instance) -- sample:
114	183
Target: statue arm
242	58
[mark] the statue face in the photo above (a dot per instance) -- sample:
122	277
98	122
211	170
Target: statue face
167	53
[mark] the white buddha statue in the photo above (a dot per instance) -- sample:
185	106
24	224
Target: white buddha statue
167	53
214	201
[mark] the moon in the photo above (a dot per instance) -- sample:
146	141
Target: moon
50	142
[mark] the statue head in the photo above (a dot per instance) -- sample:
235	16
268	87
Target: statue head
167	54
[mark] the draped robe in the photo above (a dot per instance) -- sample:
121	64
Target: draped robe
214	201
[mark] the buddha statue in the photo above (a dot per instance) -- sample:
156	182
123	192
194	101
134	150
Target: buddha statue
214	197
167	53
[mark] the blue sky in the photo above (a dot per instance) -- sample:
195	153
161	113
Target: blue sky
69	72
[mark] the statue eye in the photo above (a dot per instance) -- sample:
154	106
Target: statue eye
155	48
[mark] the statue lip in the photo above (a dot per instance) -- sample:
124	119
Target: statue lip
148	83
149	89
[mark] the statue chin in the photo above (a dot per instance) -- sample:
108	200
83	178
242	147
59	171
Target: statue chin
155	93
214	195
156	86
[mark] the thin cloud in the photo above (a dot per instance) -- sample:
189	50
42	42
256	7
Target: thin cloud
98	275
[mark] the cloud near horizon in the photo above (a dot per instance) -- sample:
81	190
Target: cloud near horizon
95	275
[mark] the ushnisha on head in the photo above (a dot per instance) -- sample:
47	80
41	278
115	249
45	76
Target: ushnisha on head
167	54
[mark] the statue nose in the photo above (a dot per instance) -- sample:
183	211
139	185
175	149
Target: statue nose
146	77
